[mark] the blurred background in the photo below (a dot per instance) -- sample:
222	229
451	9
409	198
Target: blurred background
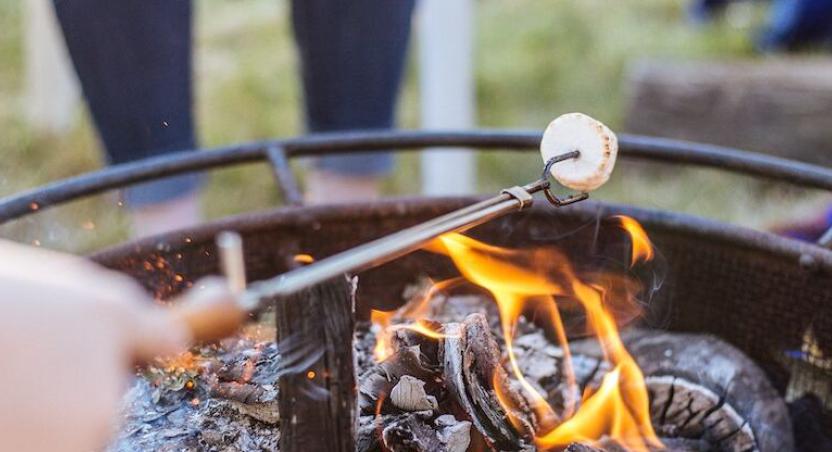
661	67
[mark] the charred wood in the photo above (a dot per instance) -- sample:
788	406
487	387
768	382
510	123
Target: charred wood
377	383
472	367
320	395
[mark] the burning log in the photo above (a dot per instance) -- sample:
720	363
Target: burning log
462	361
378	382
702	392
405	394
711	382
472	369
320	394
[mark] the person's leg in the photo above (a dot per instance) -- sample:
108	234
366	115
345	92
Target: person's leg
701	11
795	23
133	58
352	56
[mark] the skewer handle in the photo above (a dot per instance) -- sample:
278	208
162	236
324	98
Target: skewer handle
232	261
211	317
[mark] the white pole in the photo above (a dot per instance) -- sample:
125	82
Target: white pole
447	91
51	88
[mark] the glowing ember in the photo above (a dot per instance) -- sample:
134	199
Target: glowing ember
421	328
250	363
378	420
381	321
303	258
179	363
415	311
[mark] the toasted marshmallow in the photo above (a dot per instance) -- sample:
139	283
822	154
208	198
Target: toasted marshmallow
597	144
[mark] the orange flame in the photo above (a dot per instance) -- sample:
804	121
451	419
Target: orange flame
415	310
381	320
178	363
507	402
419	308
423	329
642	249
519	278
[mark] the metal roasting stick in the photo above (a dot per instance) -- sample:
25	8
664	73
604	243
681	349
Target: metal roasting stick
398	244
210	322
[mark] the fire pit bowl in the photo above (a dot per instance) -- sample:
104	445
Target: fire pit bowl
760	292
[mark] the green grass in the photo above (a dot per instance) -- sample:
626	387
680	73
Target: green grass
534	59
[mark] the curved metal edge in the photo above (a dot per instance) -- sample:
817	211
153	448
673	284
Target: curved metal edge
802	253
117	176
632	146
730	159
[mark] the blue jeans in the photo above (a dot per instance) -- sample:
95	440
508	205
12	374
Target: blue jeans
791	23
794	23
133	58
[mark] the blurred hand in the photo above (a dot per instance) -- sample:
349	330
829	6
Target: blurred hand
69	334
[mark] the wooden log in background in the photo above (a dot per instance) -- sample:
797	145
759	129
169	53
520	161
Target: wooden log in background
317	400
780	106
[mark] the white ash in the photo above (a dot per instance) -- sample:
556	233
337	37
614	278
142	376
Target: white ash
456	434
415	432
539	359
215	413
409	395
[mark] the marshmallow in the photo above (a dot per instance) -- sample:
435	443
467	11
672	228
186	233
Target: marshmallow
597	144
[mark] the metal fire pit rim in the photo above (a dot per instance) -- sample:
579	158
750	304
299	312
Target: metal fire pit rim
807	255
276	151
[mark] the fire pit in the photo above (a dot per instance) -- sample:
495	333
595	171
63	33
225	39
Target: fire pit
754	294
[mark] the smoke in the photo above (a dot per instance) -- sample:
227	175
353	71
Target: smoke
297	355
